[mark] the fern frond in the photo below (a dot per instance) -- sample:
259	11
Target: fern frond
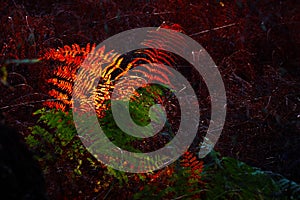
191	161
68	53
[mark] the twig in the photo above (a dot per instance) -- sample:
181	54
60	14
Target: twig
137	14
26	103
110	189
186	195
214	29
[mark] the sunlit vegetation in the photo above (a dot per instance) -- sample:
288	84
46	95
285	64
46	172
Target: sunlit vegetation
255	45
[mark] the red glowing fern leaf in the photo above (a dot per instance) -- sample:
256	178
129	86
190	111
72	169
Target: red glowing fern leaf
69	54
164	38
70	59
172	26
106	68
190	161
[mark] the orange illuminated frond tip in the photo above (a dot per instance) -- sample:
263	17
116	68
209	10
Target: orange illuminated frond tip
55	104
175	27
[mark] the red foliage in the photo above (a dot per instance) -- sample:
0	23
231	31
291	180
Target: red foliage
254	43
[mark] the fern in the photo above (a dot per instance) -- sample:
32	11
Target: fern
69	53
194	166
67	61
228	178
102	66
288	189
176	185
55	138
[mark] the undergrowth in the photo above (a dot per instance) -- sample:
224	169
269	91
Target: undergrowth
222	177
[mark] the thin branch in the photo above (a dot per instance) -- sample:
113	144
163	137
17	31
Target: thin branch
214	29
191	194
137	14
27	103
